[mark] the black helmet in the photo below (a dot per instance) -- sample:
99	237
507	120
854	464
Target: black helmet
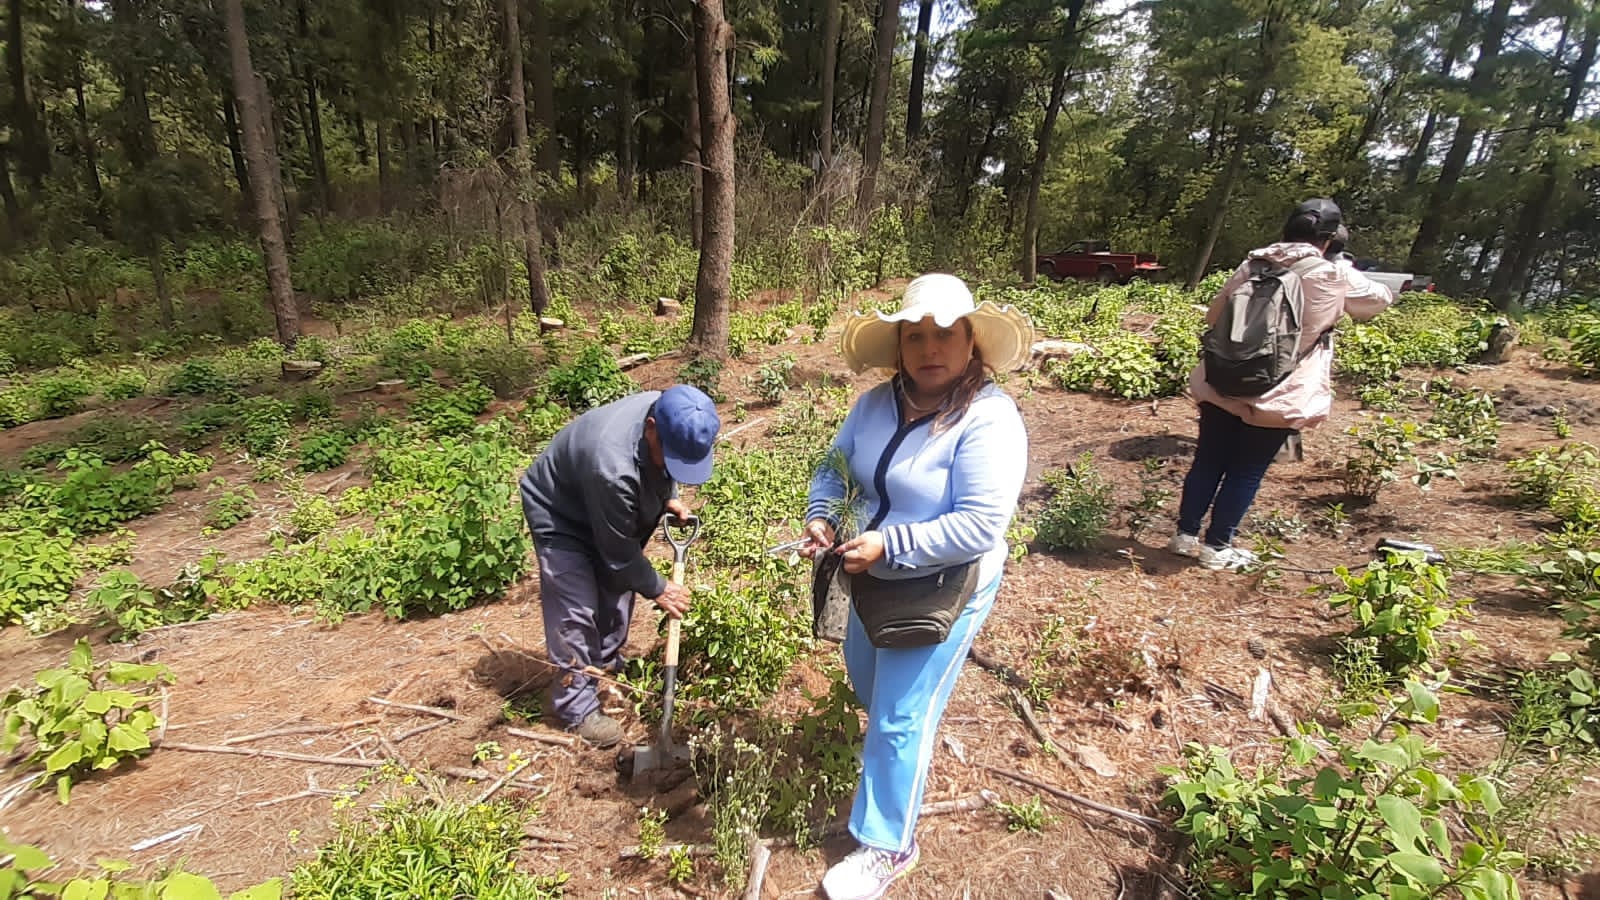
1325	212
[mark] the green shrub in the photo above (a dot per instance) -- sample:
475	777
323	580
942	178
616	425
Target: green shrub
739	643
201	377
263	427
16	408
60	394
324	450
230	507
123	383
93	497
1078	509
1385	445
1401	602
427	851
591	379
704	372
772	380
1466	416
38	568
1561	479
76	723
1376	824
447	413
15	881
313	514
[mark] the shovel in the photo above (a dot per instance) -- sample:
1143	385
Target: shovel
663	754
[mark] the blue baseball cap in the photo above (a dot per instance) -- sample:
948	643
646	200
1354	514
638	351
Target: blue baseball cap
687	425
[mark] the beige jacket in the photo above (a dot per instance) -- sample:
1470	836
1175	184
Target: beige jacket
1304	398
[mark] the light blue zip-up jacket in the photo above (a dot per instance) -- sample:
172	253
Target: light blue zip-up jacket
950	496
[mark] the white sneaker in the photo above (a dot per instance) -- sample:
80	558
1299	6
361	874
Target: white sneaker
867	872
1184	544
1230	558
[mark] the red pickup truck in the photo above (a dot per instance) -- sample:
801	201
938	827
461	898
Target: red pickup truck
1094	260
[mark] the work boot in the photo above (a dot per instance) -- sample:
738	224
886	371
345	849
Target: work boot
600	730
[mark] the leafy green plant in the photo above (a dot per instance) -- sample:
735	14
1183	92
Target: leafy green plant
1401	601
1377	824
652	831
1560	478
427	851
137	607
1280	525
680	865
446	413
1028	815
200	377
230	507
704	371
18	860
264	428
739	643
1386	445
61	394
75	723
1464	416
93	497
313	514
591	379
1079	507
741	779
772	379
1363	680
325	449
1122	364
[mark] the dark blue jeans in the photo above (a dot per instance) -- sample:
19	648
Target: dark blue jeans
1230	459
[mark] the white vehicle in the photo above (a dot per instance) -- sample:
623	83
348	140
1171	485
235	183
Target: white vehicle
1399	282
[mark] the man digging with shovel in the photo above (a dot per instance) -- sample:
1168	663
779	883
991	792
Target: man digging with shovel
592	500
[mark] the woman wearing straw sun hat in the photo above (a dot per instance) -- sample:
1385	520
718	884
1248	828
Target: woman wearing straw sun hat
938	454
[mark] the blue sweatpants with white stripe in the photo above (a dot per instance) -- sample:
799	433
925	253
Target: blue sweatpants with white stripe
904	692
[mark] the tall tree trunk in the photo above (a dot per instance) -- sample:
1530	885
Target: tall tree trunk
358	131
158	276
692	138
544	92
1511	274
1411	169
231	126
91	161
522	166
319	157
919	71
1041	158
830	66
1230	177
8	193
33	151
1425	250
380	141
626	164
249	96
269	143
878	106
712	38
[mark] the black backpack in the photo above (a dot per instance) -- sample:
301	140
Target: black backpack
1258	340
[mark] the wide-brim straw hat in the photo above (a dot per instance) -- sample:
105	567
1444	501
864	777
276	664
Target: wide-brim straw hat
1003	334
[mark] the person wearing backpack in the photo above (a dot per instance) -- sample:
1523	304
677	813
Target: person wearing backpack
1265	373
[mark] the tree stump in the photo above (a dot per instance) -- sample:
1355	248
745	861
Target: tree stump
666	306
1502	337
550	323
300	369
390	385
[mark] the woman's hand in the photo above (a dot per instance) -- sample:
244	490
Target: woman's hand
820	535
860	553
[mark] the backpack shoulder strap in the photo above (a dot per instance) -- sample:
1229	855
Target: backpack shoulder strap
1303	266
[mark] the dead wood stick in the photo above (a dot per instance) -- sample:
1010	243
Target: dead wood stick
980	800
600	675
1026	710
558	740
547	837
482	775
760	856
501	781
1155	825
988	663
357	745
697	850
288	798
299	729
750	424
276	754
413	732
428	710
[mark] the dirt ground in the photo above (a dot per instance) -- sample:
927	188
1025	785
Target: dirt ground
1165	644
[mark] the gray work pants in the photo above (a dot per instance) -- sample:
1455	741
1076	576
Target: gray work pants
585	624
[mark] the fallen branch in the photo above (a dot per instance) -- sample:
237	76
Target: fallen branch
413	732
557	740
298	729
760	856
501	781
308	792
276	754
428	710
981	800
989	664
1026	710
750	424
173	835
1155	825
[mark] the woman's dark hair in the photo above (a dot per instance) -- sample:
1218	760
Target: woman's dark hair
1313	222
1302	228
